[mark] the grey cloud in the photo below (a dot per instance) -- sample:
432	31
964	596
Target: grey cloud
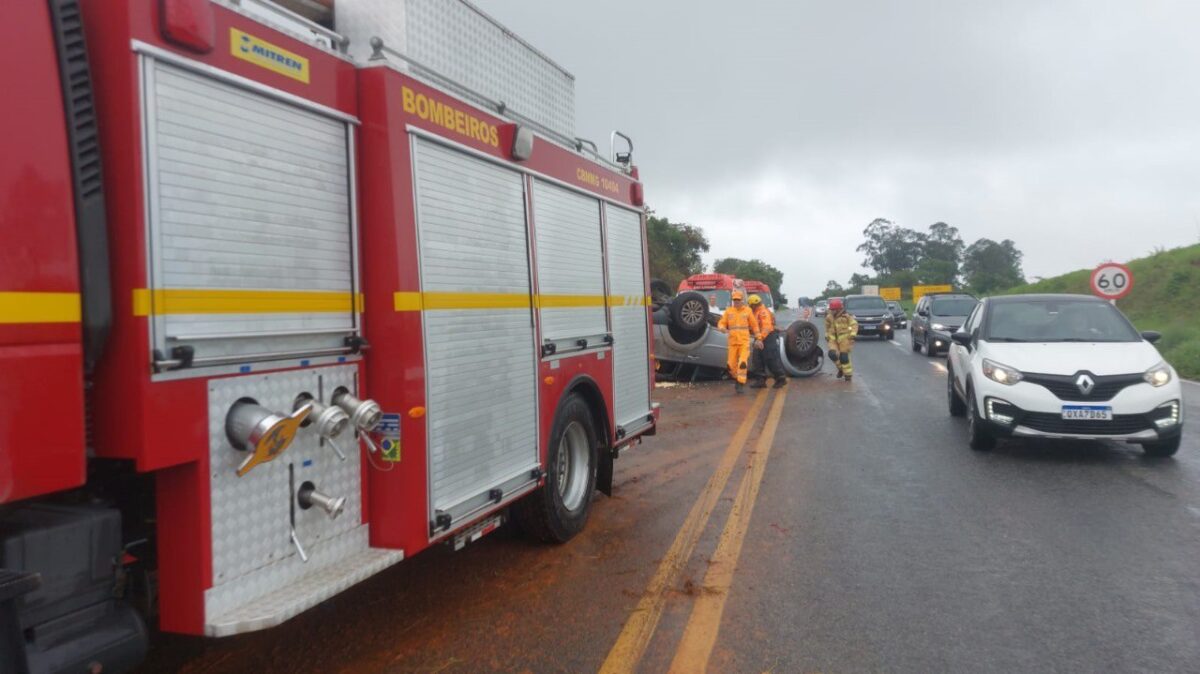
782	128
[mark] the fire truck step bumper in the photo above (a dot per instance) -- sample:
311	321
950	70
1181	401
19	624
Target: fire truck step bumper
302	594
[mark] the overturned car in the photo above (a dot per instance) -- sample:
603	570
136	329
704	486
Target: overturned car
688	346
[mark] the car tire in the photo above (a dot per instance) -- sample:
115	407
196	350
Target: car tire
1162	448
689	310
912	337
682	340
802	367
559	509
957	407
978	436
802	339
927	348
891	334
660	292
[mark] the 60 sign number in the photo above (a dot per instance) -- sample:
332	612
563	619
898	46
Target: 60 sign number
1112	281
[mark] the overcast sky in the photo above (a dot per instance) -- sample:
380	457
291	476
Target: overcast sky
783	128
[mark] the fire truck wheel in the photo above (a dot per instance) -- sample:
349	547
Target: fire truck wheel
689	310
559	510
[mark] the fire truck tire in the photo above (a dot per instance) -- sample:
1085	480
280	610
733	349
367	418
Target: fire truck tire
559	509
802	339
689	310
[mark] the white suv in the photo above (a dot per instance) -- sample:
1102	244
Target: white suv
1062	366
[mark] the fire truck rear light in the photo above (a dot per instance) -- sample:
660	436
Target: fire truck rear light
636	194
189	24
522	147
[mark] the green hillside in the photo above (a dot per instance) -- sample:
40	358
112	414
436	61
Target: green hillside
1165	297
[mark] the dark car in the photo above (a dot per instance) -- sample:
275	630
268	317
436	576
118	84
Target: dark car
936	318
899	318
872	314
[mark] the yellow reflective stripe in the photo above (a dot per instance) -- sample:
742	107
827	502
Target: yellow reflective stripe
39	307
206	301
628	300
569	301
416	301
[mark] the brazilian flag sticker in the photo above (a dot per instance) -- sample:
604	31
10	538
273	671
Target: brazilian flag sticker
391	449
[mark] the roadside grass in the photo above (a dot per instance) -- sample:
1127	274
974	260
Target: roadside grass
1165	298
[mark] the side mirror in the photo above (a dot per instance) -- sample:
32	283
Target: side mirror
922	312
964	338
1151	336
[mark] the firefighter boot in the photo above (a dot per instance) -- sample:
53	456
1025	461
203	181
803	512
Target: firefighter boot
737	387
780	382
758	383
839	372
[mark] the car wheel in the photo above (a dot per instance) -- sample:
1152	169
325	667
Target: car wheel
1162	448
802	367
801	339
559	509
927	348
681	340
957	407
912	338
689	310
660	292
979	437
890	335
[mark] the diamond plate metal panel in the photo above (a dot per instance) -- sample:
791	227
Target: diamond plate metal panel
626	278
246	192
480	363
457	40
252	554
570	261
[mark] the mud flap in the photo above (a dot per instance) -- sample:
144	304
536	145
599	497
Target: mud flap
604	472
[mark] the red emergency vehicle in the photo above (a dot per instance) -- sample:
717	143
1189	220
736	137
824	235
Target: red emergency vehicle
762	290
272	320
717	288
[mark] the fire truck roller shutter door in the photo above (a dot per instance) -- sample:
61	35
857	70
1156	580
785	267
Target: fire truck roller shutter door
250	219
570	266
480	361
627	285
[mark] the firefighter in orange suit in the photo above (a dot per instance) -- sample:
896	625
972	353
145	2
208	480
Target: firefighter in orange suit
739	323
840	330
764	360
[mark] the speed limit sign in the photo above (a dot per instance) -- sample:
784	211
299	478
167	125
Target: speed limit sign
1112	281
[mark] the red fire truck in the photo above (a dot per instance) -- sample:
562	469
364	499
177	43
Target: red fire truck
272	320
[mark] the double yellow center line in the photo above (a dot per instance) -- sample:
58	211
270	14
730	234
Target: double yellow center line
700	635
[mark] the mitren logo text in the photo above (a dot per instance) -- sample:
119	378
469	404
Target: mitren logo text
264	54
458	121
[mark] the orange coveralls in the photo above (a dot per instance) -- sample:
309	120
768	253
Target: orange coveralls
743	329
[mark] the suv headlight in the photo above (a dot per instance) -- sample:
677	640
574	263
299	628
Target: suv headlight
937	326
1159	375
1001	374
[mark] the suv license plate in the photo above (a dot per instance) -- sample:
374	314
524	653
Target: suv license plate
1087	412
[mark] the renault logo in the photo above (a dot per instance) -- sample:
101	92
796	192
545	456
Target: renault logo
1085	384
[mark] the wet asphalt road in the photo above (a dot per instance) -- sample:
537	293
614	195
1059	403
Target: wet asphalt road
875	540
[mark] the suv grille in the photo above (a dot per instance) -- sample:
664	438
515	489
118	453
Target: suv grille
1063	386
1121	424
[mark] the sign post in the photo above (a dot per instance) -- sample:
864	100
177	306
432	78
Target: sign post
1112	281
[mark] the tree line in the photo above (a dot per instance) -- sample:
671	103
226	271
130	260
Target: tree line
675	249
903	257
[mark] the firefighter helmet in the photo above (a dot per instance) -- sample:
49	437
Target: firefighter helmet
754	300
836	304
